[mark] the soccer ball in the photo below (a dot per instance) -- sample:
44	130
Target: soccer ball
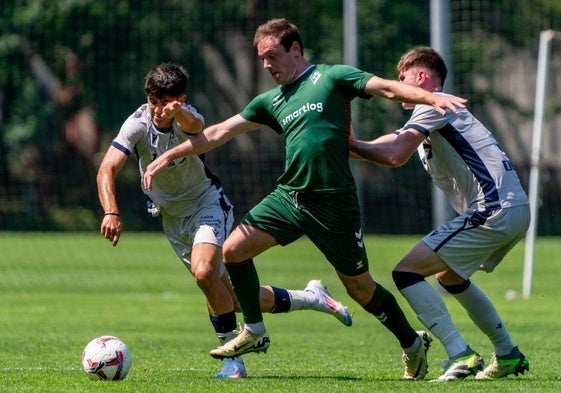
106	358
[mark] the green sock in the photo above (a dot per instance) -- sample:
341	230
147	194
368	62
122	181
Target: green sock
385	308
247	288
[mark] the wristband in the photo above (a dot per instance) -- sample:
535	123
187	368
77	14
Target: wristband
112	214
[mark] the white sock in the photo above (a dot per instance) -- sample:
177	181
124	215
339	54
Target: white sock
223	338
432	313
413	348
485	316
302	300
255	328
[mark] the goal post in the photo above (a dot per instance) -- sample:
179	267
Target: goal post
544	51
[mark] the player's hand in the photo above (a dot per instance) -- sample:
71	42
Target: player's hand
111	228
170	109
154	167
443	102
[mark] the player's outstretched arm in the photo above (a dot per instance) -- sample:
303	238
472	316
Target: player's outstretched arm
397	91
203	142
392	150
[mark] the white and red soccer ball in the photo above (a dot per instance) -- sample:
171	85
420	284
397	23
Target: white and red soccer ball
106	358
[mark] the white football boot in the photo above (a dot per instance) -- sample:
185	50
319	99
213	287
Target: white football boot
245	342
233	368
327	304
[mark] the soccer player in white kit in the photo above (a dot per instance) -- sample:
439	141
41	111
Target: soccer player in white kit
197	216
466	162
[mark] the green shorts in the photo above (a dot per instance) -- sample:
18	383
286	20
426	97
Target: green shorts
330	220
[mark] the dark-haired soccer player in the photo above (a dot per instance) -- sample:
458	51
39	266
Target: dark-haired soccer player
196	213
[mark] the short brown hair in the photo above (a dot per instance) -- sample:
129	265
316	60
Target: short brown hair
423	57
167	79
286	32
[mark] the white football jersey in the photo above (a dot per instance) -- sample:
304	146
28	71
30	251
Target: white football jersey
465	161
178	188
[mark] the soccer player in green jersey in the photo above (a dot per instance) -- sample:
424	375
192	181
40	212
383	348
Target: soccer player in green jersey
316	194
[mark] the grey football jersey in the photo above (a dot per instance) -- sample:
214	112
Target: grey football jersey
465	160
178	188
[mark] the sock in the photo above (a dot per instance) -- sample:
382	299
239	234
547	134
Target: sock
245	282
433	314
385	308
483	314
255	328
287	300
224	326
413	348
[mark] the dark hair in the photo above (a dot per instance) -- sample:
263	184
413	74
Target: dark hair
286	32
167	79
423	57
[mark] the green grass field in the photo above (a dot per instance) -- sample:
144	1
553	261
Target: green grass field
58	291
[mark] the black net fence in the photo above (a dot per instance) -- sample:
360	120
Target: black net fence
72	71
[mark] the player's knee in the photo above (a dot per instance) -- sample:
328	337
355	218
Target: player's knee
356	292
232	251
205	275
228	248
359	288
230	254
449	278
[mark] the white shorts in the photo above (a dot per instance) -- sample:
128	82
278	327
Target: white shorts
467	243
210	224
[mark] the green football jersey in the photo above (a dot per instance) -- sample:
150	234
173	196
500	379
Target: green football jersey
314	115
